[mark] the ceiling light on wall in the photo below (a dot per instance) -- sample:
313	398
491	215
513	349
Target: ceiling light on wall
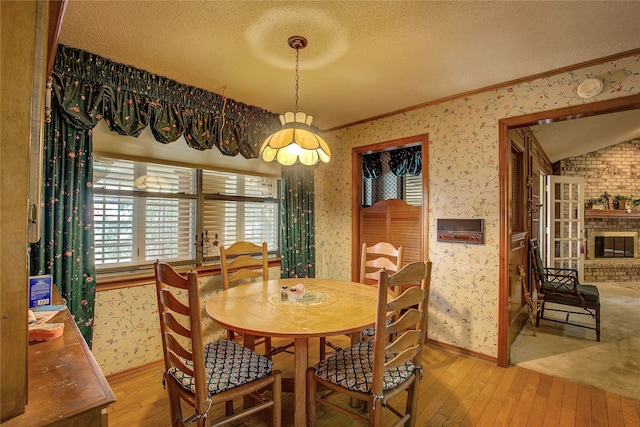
589	88
296	141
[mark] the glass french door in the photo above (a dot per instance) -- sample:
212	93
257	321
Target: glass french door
565	214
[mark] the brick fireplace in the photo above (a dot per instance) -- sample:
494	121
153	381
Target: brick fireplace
613	170
611	268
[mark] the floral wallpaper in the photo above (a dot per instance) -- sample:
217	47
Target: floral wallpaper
127	328
463	170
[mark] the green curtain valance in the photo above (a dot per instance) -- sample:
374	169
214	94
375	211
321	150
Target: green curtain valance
371	166
406	161
90	88
402	161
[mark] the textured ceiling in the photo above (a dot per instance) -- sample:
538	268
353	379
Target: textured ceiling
364	58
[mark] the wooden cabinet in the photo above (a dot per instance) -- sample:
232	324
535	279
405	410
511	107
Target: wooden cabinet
19	21
65	384
55	383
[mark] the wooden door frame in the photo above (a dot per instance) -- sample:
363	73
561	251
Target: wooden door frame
356	193
567	113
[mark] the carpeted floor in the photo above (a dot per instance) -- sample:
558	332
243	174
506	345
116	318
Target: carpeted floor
570	352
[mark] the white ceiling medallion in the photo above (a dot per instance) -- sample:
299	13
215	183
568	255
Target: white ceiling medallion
589	88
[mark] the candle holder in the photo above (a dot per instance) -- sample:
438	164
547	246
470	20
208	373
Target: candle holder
205	243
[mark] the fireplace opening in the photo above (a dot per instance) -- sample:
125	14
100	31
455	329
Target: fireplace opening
614	245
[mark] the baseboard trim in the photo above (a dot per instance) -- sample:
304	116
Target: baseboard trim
117	375
462	351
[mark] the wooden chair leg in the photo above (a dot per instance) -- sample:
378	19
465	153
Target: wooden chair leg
598	324
323	348
174	406
375	414
412	400
540	314
311	398
276	395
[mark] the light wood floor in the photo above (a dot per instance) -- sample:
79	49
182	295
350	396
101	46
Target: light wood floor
457	391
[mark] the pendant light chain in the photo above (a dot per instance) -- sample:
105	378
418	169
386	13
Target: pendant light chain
296	80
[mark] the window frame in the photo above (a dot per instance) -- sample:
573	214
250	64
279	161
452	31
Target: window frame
200	256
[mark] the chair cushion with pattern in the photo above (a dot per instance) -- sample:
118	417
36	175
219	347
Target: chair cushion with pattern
228	365
370	332
352	368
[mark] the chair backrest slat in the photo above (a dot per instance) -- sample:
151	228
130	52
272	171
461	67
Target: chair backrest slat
407	339
172	303
172	325
176	347
171	277
379	256
410	319
411	296
177	363
244	260
404	356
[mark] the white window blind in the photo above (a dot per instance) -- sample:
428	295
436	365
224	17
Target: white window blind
113	229
132	224
240	208
145	211
413	190
169	227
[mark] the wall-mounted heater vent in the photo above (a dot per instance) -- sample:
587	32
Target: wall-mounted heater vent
461	230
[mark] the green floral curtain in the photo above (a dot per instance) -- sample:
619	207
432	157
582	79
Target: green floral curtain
130	99
298	230
65	250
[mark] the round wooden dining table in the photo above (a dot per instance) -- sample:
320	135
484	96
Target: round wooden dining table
328	307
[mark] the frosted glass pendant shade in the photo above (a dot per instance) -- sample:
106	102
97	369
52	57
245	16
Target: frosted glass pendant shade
295	142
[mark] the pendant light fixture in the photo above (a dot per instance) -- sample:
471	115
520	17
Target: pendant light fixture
296	141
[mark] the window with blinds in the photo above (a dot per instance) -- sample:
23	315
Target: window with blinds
240	208
145	211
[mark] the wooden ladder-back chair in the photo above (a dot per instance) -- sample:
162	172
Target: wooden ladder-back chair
560	286
376	257
372	260
243	261
203	375
378	370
